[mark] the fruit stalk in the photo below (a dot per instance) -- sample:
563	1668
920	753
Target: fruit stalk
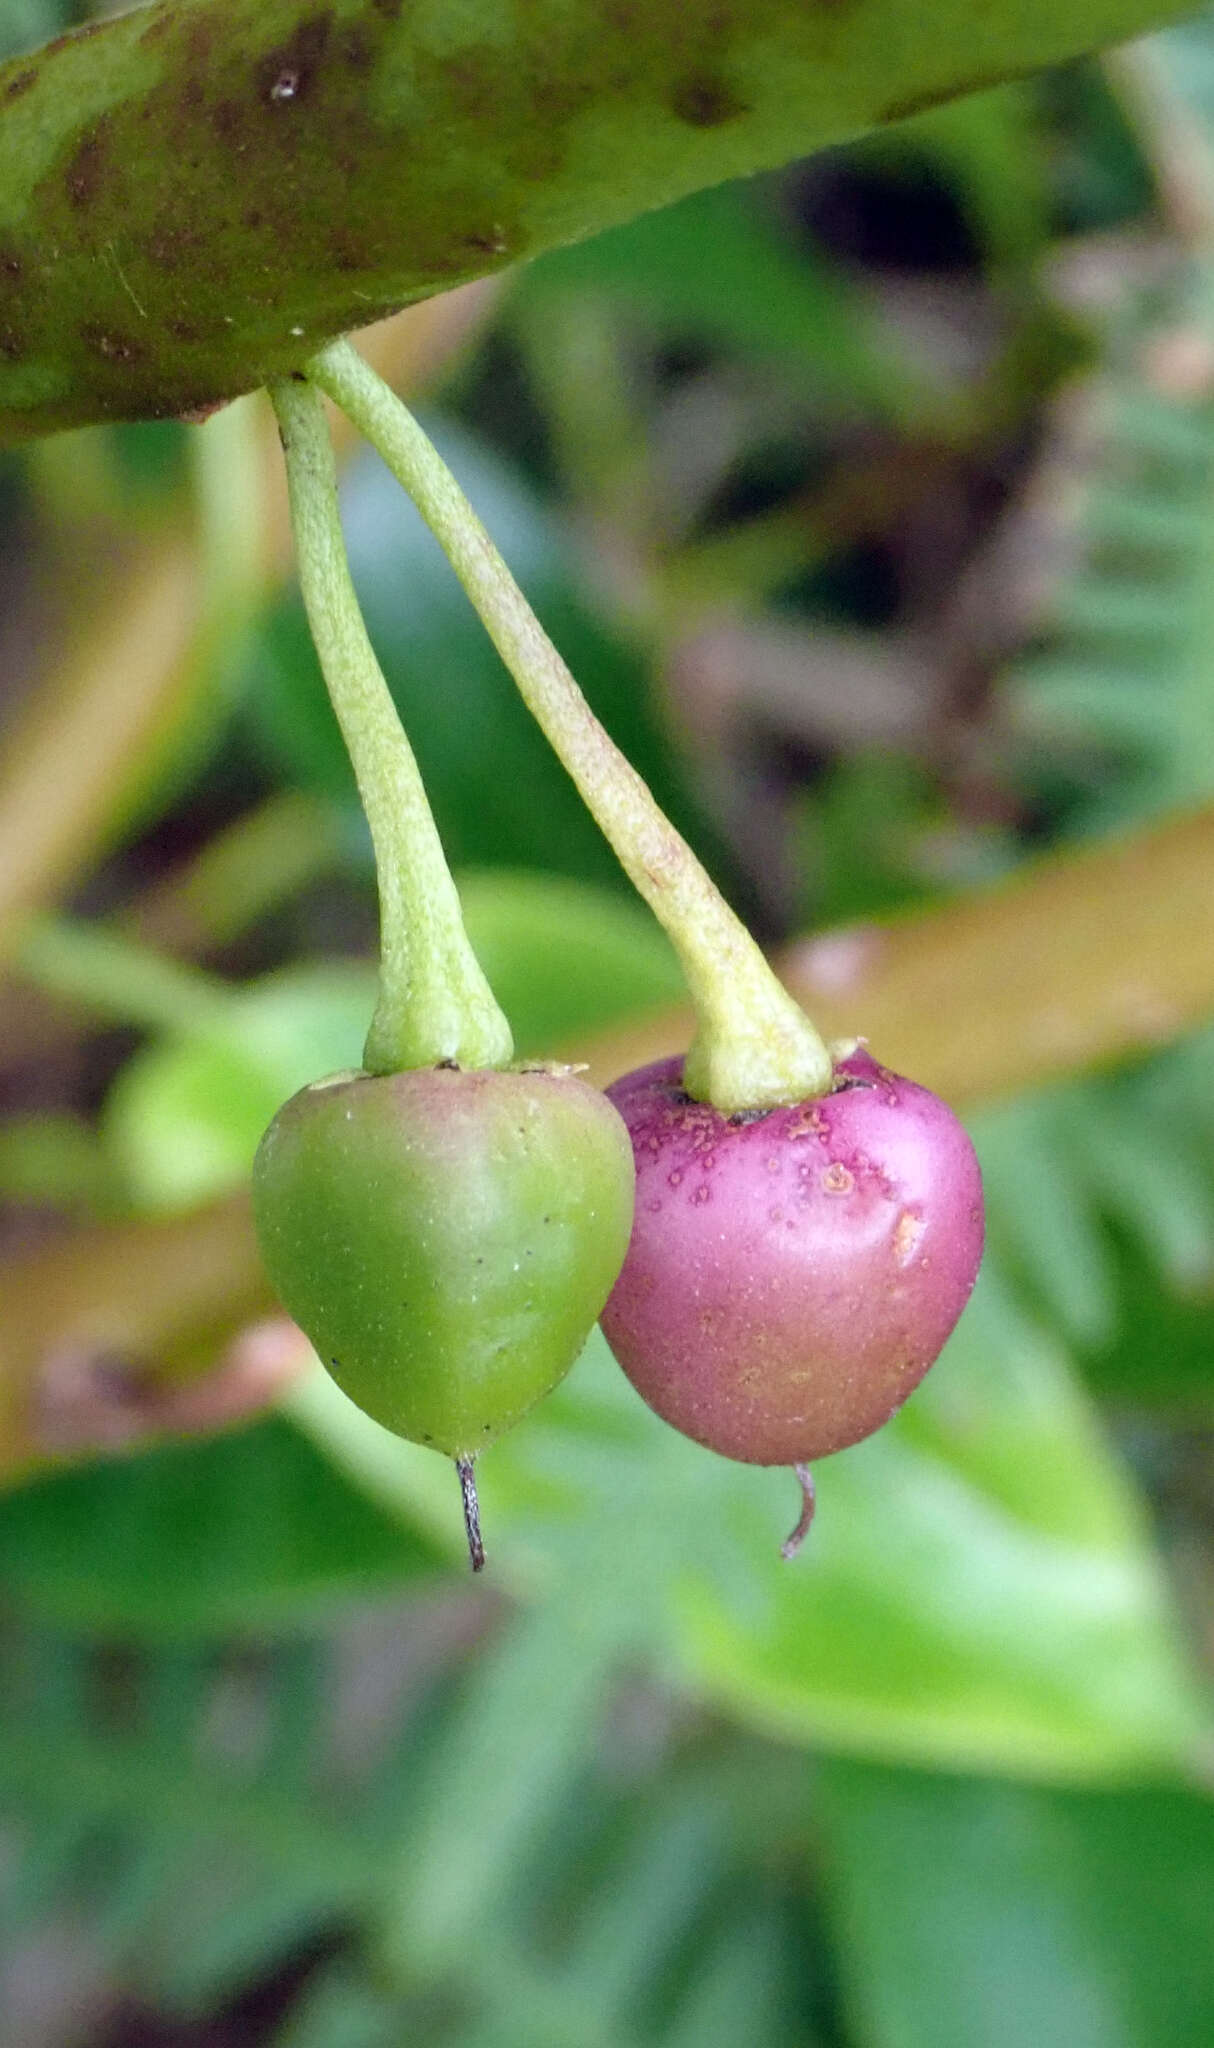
466	1469
434	1004
754	1047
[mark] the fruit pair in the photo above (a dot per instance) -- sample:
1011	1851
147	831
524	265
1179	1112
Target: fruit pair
447	1229
447	1239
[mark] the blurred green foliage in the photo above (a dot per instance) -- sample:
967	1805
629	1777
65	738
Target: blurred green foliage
265	1753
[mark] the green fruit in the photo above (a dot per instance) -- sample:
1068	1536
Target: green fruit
446	1239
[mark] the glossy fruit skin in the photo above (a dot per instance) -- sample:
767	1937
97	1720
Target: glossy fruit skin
446	1239
790	1278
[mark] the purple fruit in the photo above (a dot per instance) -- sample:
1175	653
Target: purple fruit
791	1276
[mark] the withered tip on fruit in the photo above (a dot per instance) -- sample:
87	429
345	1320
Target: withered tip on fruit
792	1543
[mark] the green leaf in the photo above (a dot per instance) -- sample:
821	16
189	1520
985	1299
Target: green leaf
1017	1916
565	958
1040	1219
978	1589
759	297
1159	1355
185	1115
250	1531
1100	1210
519	133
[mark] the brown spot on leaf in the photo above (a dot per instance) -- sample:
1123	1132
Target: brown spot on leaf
492	241
199	38
20	83
11	345
285	76
344	252
356	47
227	118
85	173
171	244
706	102
116	348
198	415
390	9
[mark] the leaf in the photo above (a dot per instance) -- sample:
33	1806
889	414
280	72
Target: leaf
1017	1916
1040	1218
516	141
1100	1208
1113	706
564	958
250	1531
978	1589
759	297
185	1115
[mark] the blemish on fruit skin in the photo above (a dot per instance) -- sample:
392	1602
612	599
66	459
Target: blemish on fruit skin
907	1232
837	1180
